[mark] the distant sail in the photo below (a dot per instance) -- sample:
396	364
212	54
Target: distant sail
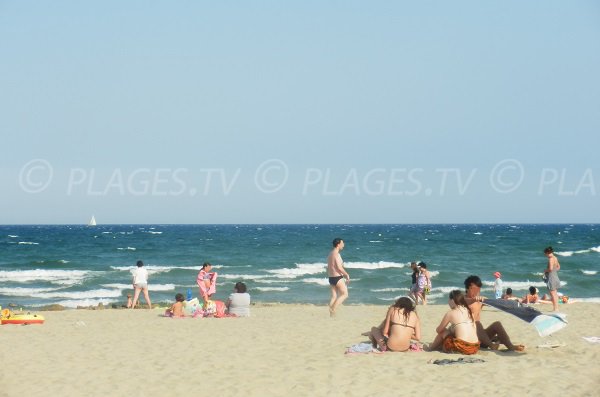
92	221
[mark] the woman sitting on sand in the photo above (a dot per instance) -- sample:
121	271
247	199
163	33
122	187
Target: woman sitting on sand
239	302
401	324
461	336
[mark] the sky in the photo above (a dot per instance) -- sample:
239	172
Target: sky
299	112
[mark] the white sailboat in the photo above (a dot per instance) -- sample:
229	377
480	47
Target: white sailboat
92	221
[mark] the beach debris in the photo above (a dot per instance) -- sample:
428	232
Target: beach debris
592	339
551	345
462	360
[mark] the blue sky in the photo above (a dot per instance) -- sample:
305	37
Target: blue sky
313	112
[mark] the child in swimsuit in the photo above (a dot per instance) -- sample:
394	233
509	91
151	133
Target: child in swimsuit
176	309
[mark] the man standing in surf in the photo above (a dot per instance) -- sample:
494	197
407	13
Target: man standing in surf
338	277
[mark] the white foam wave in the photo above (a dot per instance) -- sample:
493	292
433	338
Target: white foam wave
162	268
155	232
445	290
12	236
87	294
129	287
390	289
375	241
242	276
73	303
28	243
590	272
318	281
300	270
578	252
268	289
22	291
374	265
478	233
117	286
62	277
127	249
272	281
520	285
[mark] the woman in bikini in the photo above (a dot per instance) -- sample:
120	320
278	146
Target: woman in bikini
461	335
401	324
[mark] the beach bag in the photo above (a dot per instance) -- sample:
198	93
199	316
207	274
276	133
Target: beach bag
210	308
190	307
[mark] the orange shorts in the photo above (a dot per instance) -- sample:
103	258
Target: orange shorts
455	345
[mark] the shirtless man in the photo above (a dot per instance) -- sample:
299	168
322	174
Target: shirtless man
495	330
338	277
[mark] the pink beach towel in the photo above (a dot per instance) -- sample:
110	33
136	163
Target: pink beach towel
204	291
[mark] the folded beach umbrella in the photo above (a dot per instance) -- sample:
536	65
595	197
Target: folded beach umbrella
545	324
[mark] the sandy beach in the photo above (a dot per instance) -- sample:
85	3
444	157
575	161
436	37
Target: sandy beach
282	350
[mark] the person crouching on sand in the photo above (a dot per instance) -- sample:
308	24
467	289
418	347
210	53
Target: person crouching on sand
461	335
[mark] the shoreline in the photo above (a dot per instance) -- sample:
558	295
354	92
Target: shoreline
283	349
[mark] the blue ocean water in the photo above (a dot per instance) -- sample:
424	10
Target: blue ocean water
76	265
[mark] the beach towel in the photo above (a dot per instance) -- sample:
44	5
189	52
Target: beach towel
207	291
365	347
545	324
362	348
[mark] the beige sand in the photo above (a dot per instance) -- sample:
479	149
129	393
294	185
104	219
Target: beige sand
282	350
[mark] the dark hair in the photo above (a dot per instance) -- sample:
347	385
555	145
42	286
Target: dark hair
423	265
548	250
416	268
509	291
407	306
458	298
179	297
472	280
532	290
140	263
336	241
205	265
240	287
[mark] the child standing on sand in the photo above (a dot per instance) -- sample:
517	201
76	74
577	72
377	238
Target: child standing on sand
498	285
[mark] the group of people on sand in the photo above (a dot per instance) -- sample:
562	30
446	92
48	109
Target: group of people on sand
460	330
552	282
238	303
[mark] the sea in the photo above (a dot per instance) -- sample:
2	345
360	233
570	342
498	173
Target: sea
76	265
